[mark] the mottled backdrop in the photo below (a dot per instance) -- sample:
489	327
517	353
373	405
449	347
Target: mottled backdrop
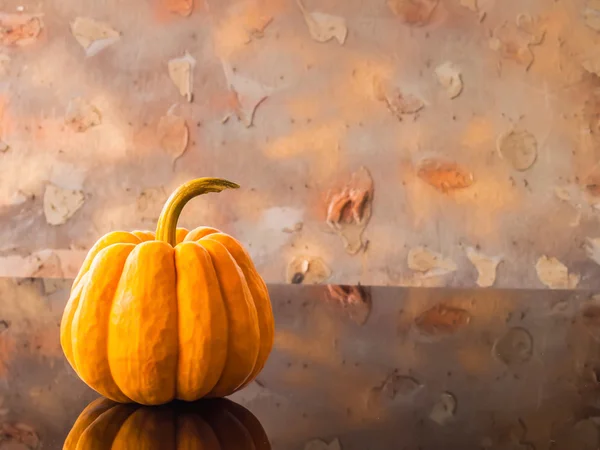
407	142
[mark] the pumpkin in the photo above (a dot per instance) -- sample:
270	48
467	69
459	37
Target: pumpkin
174	315
215	424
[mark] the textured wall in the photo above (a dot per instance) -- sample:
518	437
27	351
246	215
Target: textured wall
476	122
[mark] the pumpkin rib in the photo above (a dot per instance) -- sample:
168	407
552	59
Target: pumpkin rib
202	323
194	433
114	237
198	233
258	289
66	323
104	428
142	340
90	322
147	428
243	332
144	235
250	422
85	419
180	234
230	431
260	297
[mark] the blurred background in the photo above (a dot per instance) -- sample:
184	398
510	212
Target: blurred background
398	142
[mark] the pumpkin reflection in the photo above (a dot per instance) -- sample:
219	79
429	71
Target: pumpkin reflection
217	424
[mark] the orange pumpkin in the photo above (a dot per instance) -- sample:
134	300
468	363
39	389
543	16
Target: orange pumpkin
176	315
217	424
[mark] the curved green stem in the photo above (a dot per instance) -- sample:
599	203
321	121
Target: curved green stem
167	222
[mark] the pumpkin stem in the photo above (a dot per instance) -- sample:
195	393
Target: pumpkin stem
167	222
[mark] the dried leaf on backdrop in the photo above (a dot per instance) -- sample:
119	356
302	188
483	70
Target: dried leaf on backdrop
398	102
394	387
554	274
173	135
444	410
430	263
470	4
522	54
19	433
486	266
182	7
307	270
318	444
356	301
401	103
518	148
181	74
413	12
515	347
527	24
442	320
249	94
61	204
400	386
443	175
515	41
450	77
93	35
324	27
349	210
591	14
19	30
82	115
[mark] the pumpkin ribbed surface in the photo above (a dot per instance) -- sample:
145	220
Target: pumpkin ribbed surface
150	321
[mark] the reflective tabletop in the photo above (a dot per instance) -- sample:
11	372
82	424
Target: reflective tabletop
352	368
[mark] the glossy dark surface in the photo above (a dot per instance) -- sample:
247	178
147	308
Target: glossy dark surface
382	368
